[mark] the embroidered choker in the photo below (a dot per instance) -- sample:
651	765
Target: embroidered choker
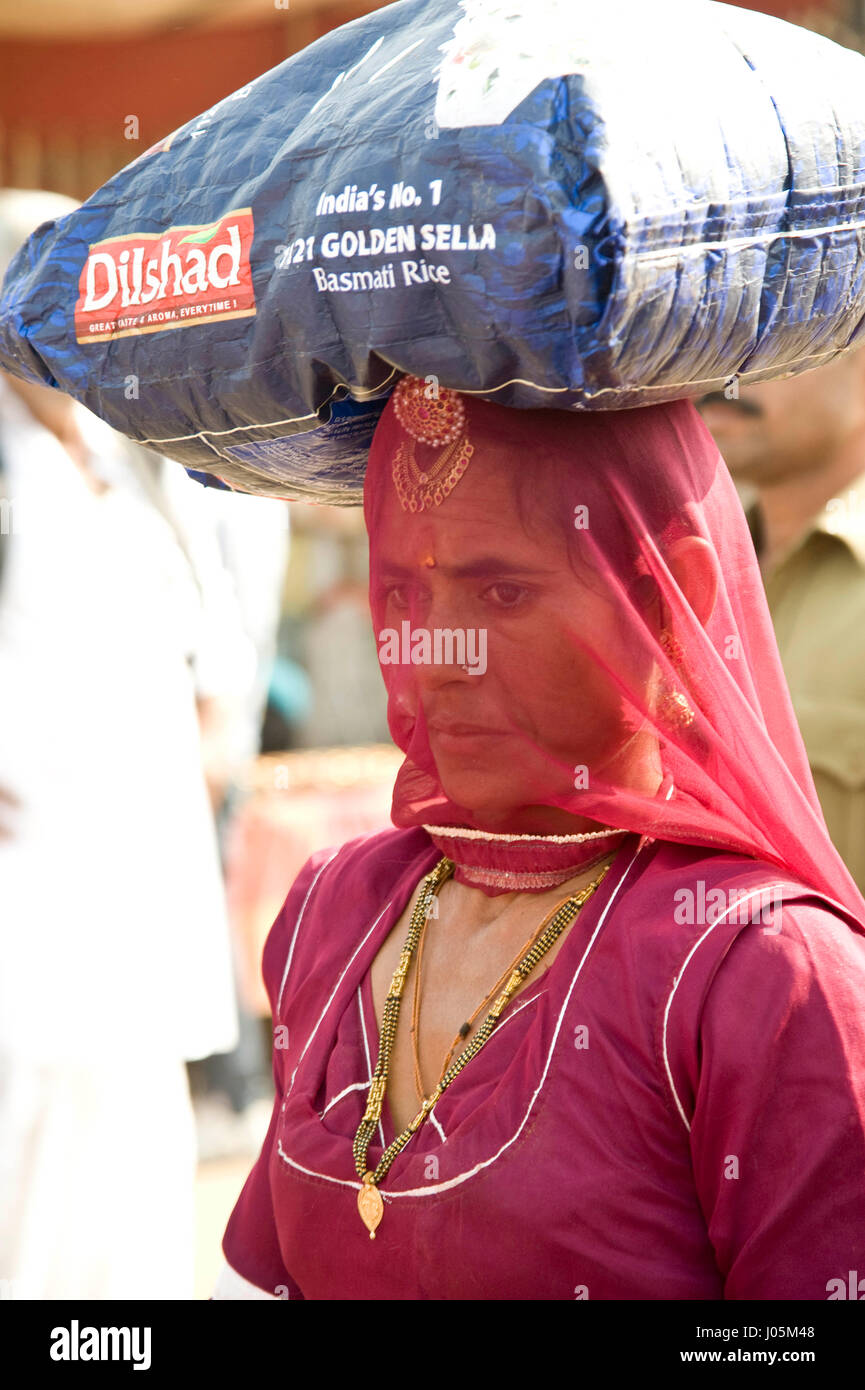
520	863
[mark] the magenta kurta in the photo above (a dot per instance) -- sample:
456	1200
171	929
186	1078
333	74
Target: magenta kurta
674	1109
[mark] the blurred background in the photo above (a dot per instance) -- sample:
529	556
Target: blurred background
277	662
72	71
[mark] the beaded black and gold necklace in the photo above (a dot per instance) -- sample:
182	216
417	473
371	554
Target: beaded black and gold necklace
369	1199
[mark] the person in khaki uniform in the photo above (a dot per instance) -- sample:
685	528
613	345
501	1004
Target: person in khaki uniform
797	448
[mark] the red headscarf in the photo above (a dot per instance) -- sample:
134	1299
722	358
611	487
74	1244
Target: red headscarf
609	632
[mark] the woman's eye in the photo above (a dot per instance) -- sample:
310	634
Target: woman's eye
400	595
506	595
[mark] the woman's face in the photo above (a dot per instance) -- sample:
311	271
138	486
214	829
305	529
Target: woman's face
538	712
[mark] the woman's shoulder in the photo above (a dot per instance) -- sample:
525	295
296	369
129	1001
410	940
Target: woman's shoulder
734	973
690	886
365	867
341	889
761	992
691	919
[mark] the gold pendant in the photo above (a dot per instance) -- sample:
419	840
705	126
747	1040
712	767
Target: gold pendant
370	1204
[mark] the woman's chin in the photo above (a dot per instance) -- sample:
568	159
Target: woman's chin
480	794
490	795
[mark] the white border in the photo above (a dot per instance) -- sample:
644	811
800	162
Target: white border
460	1178
288	958
694	387
677	980
333	994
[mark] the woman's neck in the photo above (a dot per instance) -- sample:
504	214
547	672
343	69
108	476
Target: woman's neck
475	910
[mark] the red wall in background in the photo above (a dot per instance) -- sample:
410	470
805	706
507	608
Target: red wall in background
63	104
161	78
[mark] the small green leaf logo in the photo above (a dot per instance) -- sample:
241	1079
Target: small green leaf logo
202	235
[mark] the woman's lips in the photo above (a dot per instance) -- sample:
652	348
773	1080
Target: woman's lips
445	731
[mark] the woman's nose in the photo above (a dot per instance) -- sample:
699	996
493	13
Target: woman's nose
447	647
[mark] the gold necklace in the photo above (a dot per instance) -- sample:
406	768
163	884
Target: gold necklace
369	1200
470	1022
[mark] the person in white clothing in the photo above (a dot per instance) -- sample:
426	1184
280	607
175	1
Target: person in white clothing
118	628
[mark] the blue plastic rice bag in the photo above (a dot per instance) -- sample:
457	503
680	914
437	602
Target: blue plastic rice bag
545	202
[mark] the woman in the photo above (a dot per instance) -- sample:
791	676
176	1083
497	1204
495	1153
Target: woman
634	878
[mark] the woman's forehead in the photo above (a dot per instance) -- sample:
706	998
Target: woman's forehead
468	536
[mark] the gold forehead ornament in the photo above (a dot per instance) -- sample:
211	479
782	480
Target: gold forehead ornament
435	417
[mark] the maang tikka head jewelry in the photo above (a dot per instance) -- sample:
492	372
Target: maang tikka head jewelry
435	417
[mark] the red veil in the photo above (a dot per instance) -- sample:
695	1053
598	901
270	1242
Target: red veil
611	659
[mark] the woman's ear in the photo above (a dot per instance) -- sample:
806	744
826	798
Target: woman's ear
694	566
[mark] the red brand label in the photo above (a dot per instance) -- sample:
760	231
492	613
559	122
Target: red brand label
147	282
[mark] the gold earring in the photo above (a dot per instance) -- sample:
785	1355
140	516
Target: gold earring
675	710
